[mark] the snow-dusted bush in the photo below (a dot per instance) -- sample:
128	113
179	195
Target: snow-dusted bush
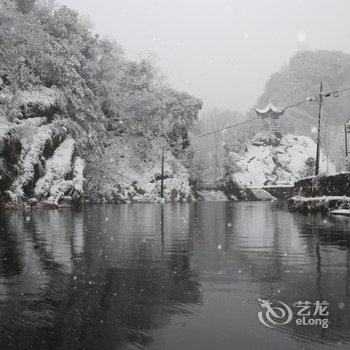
42	97
58	168
53	186
124	175
78	174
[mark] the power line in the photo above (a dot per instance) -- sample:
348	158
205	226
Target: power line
310	99
334	92
241	123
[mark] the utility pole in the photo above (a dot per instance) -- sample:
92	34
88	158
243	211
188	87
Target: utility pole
346	142
347	131
317	168
162	176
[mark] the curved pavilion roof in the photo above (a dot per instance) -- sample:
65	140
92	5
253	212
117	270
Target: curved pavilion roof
270	109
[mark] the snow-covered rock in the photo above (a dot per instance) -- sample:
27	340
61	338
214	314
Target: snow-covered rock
278	161
34	145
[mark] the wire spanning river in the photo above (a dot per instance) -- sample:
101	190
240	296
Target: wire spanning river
172	276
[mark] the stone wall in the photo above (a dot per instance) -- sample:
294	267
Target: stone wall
332	185
321	193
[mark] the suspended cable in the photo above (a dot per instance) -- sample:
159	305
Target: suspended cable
261	116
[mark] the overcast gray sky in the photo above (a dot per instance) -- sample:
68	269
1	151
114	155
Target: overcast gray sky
221	51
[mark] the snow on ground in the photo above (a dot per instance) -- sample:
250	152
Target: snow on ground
318	204
323	198
267	164
345	212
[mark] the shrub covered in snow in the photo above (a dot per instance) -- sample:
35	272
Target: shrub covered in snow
42	97
57	169
128	174
78	174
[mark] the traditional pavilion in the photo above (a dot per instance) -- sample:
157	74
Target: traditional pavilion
270	119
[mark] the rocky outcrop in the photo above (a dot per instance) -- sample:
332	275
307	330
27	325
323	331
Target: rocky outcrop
276	161
38	159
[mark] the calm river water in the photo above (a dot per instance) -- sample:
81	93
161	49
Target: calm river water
172	276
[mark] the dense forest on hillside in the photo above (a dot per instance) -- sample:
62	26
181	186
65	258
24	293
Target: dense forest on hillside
301	79
72	103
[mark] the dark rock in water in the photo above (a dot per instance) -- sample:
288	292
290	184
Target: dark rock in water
259	194
233	189
280	192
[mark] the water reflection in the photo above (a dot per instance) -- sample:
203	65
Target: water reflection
169	276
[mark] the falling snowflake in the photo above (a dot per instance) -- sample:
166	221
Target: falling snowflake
301	36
